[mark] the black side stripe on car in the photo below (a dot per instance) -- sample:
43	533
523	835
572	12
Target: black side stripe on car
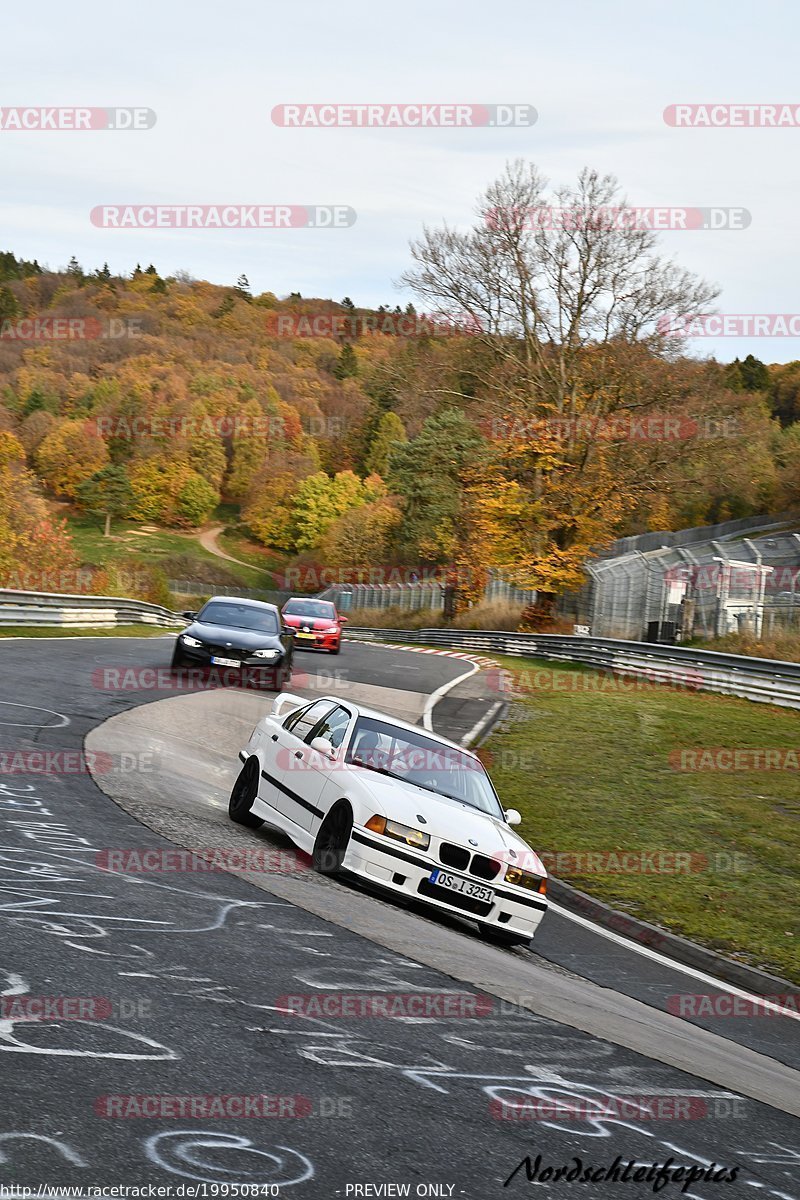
292	795
526	901
242	756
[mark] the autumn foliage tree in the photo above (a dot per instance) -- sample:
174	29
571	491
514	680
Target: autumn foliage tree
34	548
558	303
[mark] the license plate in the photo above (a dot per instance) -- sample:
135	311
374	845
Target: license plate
306	635
225	662
457	883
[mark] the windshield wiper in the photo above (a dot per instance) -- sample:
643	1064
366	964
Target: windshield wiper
355	762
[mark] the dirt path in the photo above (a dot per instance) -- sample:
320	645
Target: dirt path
208	540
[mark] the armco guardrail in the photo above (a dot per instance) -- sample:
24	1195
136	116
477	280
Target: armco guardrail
763	679
32	609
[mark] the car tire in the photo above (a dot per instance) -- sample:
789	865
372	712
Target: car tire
244	792
178	661
490	933
333	839
338	648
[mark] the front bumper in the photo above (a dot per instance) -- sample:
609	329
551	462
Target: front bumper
200	657
406	872
319	639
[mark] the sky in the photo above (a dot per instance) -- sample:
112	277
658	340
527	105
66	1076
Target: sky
598	74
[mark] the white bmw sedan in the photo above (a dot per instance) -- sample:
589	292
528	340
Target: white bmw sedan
397	806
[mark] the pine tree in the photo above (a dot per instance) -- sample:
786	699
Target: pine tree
74	268
242	288
9	309
347	363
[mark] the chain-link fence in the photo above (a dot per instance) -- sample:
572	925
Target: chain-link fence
191	587
704	588
411	595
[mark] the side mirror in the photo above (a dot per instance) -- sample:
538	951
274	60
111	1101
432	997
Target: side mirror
343	620
513	817
323	746
189	616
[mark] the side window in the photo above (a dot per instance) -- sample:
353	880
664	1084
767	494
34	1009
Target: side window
293	717
309	717
333	727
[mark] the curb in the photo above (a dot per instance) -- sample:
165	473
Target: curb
669	944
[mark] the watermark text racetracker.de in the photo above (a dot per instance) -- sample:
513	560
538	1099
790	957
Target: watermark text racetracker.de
328	324
144	861
48	119
618	218
631	861
403	116
223	216
616	427
261	1106
52	763
716	325
69	329
736	115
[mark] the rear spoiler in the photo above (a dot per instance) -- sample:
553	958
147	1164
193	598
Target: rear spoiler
285	703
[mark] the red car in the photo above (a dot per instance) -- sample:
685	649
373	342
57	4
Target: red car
316	624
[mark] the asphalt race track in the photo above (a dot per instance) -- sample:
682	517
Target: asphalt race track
190	972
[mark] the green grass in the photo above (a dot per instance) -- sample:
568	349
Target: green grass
178	554
598	778
234	541
58	631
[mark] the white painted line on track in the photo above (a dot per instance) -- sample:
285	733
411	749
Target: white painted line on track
435	697
480	724
664	960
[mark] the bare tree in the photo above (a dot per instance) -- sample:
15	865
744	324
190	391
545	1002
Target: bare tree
543	278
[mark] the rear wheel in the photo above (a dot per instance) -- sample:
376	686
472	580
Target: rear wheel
333	839
490	933
243	795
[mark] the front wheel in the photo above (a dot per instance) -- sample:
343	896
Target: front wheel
338	648
243	795
332	840
490	933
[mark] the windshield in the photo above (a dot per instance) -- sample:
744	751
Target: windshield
310	608
239	616
414	758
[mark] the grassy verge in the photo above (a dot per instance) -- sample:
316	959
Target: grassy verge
494	614
782	644
236	542
178	555
58	631
596	776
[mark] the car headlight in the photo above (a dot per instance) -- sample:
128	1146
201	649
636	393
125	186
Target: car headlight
534	883
401	833
190	641
265	653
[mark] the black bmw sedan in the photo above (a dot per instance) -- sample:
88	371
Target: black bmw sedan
232	634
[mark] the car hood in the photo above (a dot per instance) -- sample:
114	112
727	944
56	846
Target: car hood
311	622
447	819
242	639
